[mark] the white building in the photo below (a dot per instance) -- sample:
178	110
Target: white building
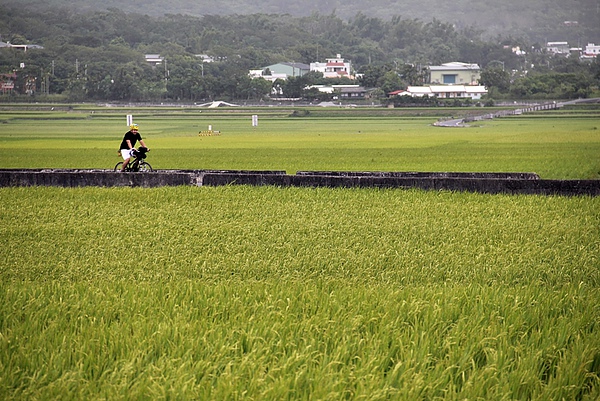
474	92
558	48
333	67
344	90
591	51
24	47
454	73
154	59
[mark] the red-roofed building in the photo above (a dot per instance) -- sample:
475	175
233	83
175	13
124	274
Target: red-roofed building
399	92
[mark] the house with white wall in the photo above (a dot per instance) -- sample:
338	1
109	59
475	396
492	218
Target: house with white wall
335	67
22	47
455	73
591	51
561	48
344	91
474	92
154	59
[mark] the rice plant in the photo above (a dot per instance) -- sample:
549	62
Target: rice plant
297	293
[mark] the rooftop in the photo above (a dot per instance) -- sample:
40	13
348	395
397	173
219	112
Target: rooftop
454	66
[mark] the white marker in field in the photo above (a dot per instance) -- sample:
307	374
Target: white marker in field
129	119
255	120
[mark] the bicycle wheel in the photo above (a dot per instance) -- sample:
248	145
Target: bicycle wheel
145	167
119	166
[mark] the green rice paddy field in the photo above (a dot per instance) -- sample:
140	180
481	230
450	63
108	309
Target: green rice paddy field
266	293
557	145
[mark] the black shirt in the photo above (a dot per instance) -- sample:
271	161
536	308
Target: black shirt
133	137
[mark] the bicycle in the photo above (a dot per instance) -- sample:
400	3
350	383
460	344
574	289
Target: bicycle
137	162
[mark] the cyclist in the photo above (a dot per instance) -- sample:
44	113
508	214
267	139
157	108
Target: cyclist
128	144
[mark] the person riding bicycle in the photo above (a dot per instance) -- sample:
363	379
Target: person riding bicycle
128	144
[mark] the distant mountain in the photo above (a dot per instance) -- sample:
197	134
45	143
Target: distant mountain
534	19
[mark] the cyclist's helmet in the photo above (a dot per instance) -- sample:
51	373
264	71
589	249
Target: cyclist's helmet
134	127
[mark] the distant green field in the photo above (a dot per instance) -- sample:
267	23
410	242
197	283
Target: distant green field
562	145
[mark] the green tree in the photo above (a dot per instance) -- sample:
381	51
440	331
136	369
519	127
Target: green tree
410	75
372	75
260	88
497	78
293	87
17	39
553	86
314	78
127	82
391	81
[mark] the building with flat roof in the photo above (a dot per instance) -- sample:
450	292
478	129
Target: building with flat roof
591	51
335	67
455	73
558	48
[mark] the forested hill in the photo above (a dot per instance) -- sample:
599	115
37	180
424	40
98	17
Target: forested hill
536	20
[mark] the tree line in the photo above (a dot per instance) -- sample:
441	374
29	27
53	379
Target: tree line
536	20
100	55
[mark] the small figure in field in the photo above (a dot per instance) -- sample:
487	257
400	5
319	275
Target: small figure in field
128	145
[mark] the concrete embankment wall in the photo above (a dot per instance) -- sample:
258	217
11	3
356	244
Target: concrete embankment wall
491	183
481	185
421	174
109	178
84	178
